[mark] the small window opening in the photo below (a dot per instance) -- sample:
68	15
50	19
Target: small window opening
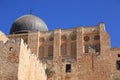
68	67
11	48
86	38
97	48
118	65
118	55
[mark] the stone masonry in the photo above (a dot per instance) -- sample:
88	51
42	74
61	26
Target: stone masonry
81	53
17	62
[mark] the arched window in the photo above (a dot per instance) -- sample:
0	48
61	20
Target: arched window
41	51
86	48
73	49
63	37
118	65
92	48
97	48
63	49
50	50
86	38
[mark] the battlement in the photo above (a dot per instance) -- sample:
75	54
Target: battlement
115	49
91	29
14	56
30	65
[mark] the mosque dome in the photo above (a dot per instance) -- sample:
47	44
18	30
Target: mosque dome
28	23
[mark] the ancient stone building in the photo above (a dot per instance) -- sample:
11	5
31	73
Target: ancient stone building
81	53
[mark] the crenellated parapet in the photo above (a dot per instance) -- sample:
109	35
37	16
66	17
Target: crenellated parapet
17	62
30	67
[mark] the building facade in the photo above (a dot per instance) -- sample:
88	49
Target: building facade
81	53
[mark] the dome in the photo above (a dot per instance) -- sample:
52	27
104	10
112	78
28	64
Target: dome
28	23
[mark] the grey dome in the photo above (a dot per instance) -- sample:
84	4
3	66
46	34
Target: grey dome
28	23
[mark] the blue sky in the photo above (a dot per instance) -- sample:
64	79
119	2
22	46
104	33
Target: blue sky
65	14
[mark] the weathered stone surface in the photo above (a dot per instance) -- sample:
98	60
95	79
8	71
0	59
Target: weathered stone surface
9	60
17	62
3	37
30	67
88	59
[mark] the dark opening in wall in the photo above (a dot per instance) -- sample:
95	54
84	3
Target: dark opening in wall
68	67
11	48
118	65
86	48
97	48
97	37
118	55
86	38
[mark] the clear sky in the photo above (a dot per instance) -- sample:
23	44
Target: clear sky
65	14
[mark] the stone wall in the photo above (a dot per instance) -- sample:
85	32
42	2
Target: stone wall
17	61
9	59
115	73
85	65
30	68
3	37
